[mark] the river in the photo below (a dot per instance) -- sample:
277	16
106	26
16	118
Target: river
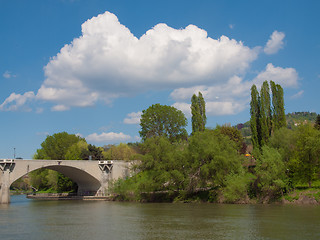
58	220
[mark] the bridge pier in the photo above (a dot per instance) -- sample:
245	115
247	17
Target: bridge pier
5	187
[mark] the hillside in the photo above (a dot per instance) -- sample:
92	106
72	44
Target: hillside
293	119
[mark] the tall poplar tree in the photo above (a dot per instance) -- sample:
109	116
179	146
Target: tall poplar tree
265	113
198	111
255	115
317	123
279	117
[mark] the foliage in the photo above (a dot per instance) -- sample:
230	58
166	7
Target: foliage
284	140
235	135
305	164
121	152
279	117
56	146
163	121
317	123
211	156
254	119
265	120
198	111
75	152
236	186
59	146
270	173
93	153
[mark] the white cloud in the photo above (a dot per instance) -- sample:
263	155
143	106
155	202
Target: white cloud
275	43
108	62
108	137
184	107
232	96
133	118
297	95
8	75
221	99
17	102
286	77
59	108
231	26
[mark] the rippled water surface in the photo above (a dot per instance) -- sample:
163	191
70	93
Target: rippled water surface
34	219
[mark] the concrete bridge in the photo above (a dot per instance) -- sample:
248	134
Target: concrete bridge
91	176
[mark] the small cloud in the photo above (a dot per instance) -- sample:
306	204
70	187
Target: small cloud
184	107
275	43
231	26
59	108
133	118
8	75
287	77
17	102
79	135
108	137
297	95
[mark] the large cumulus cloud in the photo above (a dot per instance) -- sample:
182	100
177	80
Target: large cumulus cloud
108	61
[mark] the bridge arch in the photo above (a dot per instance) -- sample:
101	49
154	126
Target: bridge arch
85	181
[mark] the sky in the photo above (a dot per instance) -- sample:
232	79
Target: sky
90	67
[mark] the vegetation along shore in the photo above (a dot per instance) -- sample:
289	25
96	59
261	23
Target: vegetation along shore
272	158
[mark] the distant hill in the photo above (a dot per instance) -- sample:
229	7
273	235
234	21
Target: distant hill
293	119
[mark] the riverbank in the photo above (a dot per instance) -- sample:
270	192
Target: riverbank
66	196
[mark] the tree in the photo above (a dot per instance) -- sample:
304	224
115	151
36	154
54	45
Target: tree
56	146
305	164
165	121
317	122
265	113
211	157
235	135
265	120
270	172
279	116
254	119
198	111
76	151
121	152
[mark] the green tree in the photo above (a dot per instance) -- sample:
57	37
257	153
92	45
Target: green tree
161	120
198	111
305	164
56	146
92	153
76	151
121	152
317	122
211	157
255	117
235	135
279	116
265	117
270	172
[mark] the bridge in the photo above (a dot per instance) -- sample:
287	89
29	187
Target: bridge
90	176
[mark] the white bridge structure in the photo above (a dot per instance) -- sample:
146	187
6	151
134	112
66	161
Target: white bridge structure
92	177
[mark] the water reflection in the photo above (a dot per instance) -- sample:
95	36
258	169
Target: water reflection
29	219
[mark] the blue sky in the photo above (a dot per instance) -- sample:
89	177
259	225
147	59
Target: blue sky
91	67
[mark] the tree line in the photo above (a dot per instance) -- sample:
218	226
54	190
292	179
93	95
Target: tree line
209	164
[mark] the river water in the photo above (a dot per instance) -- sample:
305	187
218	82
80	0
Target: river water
34	219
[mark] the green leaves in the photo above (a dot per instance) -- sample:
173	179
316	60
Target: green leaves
163	121
198	111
